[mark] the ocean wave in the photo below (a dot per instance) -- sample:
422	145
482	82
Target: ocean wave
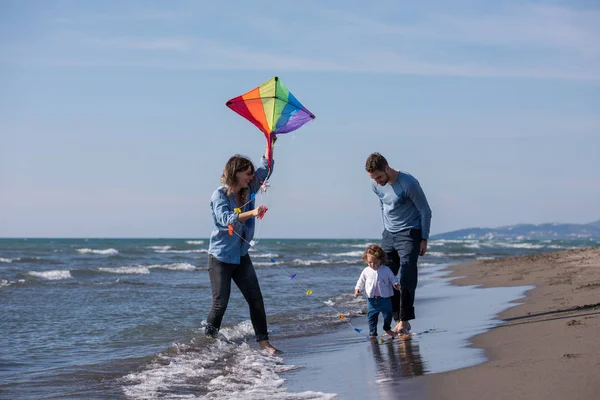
442	242
106	252
247	373
345	254
159	247
6	282
265	263
7	260
265	255
51	275
436	254
174	267
519	245
299	261
126	270
182	251
195	242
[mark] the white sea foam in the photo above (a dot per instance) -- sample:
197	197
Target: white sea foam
247	373
264	255
6	282
126	270
462	254
52	275
345	254
424	264
435	254
441	242
299	261
195	242
485	258
159	247
182	251
6	260
520	245
265	263
106	252
174	266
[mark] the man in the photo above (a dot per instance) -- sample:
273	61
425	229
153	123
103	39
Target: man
406	220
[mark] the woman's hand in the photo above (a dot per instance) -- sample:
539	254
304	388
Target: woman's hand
259	211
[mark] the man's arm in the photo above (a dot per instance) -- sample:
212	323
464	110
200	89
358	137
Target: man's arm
419	199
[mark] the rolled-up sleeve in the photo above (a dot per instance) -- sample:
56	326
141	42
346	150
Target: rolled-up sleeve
222	212
262	173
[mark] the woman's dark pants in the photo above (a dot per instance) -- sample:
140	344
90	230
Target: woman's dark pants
221	274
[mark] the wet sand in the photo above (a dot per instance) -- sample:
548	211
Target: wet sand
548	347
344	365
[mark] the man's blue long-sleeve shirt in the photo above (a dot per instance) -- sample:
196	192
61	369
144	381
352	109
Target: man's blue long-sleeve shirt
229	248
404	205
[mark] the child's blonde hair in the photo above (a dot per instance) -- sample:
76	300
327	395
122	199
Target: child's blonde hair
377	251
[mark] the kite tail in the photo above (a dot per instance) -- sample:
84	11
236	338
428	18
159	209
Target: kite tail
269	150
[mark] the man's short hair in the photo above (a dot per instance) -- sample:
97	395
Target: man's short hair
376	162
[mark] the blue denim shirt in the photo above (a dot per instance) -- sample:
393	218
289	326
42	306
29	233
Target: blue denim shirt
225	247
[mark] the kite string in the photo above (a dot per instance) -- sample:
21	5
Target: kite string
303	287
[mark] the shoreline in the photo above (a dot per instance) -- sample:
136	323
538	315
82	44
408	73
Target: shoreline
324	363
547	346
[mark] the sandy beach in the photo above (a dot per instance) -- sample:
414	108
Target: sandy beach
547	347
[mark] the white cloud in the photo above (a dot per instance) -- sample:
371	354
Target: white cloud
529	41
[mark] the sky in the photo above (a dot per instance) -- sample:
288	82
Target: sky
113	120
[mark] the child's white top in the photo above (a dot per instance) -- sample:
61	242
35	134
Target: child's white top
379	282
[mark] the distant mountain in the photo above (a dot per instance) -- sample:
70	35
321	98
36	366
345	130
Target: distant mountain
547	231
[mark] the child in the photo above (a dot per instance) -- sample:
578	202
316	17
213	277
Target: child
378	282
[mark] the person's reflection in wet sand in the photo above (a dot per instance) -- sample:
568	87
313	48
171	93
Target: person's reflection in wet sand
396	360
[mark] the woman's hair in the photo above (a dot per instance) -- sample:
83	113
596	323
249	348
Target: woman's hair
376	162
377	251
235	164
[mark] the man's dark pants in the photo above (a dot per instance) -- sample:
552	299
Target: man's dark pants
402	249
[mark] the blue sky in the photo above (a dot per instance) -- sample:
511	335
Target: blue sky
113	123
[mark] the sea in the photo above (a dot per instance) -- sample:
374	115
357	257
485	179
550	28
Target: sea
124	318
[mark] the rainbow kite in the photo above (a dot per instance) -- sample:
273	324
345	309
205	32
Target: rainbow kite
272	109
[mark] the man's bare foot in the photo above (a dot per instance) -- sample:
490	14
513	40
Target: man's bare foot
269	348
391	333
406	326
402	327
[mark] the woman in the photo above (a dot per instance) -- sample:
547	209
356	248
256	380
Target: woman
230	239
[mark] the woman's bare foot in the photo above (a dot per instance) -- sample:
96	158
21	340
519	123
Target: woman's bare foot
269	348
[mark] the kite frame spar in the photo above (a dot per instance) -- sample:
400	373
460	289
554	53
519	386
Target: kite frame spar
272	108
